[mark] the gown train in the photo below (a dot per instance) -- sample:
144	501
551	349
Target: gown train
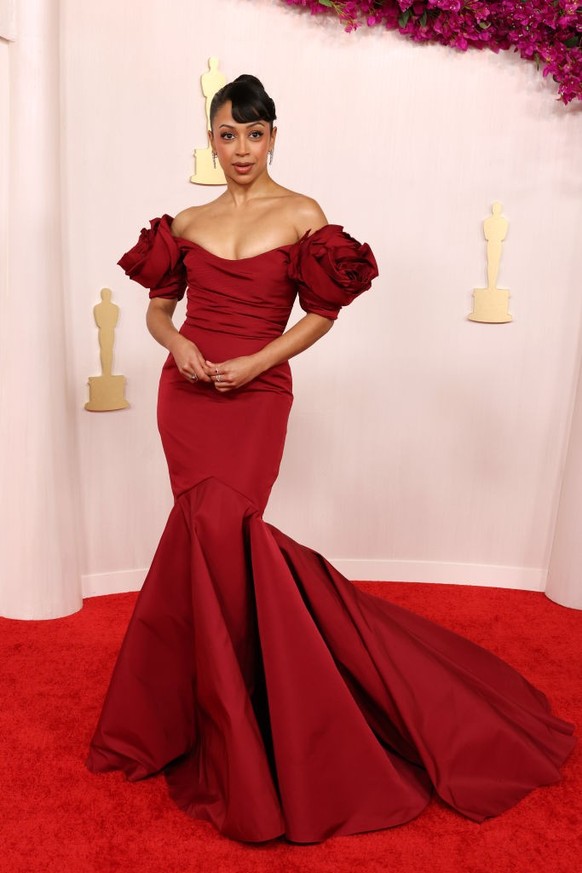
280	699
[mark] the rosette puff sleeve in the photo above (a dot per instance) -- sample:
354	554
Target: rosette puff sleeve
331	269
156	262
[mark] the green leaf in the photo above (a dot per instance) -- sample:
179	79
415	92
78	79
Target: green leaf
403	20
326	3
423	18
484	24
572	41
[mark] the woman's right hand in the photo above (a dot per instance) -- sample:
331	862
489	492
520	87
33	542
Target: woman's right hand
189	359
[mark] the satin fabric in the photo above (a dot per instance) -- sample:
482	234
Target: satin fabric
234	308
275	696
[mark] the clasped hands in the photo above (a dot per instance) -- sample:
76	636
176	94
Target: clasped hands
224	375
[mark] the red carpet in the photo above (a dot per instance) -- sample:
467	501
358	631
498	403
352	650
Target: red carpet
56	816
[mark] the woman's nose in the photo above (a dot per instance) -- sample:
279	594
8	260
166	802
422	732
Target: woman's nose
242	147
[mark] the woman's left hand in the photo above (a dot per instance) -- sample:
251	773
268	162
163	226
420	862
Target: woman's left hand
235	373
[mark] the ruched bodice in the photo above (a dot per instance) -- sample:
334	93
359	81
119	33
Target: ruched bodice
247	297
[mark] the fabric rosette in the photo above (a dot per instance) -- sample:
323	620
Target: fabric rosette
331	269
155	261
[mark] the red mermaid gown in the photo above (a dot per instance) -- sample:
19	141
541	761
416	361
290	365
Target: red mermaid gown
275	696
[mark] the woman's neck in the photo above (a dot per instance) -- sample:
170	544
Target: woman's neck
240	195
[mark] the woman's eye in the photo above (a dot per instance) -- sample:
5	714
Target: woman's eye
256	134
226	135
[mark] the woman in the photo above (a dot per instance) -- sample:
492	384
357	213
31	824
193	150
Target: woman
276	697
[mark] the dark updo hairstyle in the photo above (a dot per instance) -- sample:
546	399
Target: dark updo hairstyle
250	101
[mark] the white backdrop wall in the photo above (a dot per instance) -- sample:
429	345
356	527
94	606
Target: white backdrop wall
421	446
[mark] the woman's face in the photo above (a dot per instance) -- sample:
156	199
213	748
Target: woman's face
242	147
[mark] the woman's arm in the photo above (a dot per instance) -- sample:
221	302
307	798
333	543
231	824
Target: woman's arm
237	372
189	360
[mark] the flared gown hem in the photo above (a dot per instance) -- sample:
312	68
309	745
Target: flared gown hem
279	700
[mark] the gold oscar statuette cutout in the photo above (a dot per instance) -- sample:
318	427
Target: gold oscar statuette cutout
491	304
106	392
205	173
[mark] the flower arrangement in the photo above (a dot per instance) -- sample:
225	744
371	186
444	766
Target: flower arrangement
548	32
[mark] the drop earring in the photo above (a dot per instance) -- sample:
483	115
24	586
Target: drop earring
270	156
214	159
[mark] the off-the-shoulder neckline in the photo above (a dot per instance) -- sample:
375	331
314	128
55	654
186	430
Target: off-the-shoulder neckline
250	257
191	242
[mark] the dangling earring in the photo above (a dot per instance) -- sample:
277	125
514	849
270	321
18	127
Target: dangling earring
214	159
271	156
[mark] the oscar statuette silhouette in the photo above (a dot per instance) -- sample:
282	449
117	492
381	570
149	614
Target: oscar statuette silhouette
205	172
490	305
106	392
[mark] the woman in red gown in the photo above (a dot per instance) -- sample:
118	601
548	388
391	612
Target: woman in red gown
276	697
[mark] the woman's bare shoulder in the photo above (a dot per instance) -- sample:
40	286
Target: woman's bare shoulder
187	218
183	219
306	213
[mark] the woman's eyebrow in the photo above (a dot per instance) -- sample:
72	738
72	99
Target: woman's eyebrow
250	124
